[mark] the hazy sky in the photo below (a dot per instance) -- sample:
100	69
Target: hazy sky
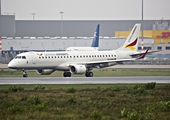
87	9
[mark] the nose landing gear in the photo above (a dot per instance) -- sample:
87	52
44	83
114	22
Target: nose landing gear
24	73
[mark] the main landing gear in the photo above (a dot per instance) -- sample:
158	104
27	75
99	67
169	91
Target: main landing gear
67	74
89	74
24	73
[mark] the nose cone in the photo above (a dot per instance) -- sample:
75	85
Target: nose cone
12	65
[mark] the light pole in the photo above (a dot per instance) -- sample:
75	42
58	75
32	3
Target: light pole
33	14
61	23
142	26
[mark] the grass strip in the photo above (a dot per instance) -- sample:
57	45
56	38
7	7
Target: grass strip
86	101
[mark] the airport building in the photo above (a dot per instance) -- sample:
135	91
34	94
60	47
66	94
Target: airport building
49	35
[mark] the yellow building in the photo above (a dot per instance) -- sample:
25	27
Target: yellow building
159	36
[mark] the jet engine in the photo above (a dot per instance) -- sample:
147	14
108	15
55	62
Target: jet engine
78	69
45	71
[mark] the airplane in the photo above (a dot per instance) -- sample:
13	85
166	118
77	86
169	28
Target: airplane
94	45
78	62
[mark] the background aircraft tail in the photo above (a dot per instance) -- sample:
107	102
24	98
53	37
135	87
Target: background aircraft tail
131	43
95	42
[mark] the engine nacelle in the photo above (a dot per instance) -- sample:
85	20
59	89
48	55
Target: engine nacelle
78	69
45	71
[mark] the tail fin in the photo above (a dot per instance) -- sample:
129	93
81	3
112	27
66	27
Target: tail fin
131	43
95	42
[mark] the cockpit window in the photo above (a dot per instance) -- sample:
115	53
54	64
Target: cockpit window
18	57
23	57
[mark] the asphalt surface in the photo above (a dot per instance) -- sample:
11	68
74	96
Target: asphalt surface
85	80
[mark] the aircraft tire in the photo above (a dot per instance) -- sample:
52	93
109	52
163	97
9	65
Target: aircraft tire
67	74
86	74
25	75
64	74
89	74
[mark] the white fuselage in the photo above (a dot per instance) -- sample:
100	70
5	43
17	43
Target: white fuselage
81	48
62	60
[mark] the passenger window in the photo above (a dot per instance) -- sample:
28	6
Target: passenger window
70	56
23	57
49	57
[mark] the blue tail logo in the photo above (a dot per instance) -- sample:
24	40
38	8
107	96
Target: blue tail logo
95	42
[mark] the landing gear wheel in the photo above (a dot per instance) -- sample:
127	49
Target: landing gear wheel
67	74
86	74
25	75
89	74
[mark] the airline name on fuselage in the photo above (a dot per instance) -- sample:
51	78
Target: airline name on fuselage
54	54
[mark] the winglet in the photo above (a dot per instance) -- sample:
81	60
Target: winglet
95	42
142	56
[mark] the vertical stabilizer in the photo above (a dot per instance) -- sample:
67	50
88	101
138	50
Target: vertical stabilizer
131	43
95	42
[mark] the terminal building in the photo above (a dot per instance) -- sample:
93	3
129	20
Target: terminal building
18	36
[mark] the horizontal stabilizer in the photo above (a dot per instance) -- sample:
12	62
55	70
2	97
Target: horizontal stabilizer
142	52
143	55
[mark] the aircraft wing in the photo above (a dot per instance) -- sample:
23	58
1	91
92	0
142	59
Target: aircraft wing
109	61
97	63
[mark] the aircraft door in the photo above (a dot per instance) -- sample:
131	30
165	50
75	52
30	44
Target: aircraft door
33	56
